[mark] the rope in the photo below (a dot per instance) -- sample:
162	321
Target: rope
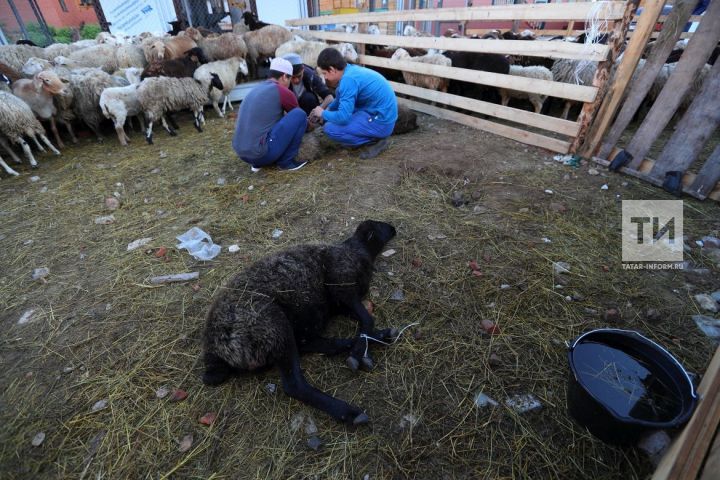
594	28
368	337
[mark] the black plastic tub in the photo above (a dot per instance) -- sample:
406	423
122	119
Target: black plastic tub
623	384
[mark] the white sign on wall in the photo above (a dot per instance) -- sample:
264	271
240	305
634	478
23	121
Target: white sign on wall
131	17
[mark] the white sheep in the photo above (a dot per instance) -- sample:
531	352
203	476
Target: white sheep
535	72
17	120
129	55
579	72
86	89
35	65
15	56
422	80
310	50
410	31
39	94
227	71
98	56
118	104
160	95
7	167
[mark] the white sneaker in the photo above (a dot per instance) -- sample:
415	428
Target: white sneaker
255	169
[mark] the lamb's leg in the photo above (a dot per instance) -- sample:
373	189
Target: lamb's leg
335	346
68	126
566	110
28	153
296	386
37	143
122	137
537	104
7	168
49	145
221	113
197	124
172	121
53	128
360	353
9	150
171	131
148	133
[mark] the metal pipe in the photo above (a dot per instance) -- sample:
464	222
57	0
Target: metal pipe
19	19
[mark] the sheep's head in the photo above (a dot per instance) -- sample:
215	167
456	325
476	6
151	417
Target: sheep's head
50	82
196	55
410	31
400	54
243	68
348	52
35	65
107	38
156	50
193	33
374	235
373	30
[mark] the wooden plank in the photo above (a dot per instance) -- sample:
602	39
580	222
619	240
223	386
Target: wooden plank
644	80
551	32
694	130
696	54
712	462
532	119
663	18
601	79
655	35
513	133
688	179
684	458
707	177
579	93
594	52
551	11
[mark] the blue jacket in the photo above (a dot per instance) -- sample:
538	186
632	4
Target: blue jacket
362	89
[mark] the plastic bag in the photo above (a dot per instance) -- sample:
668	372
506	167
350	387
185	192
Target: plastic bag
198	244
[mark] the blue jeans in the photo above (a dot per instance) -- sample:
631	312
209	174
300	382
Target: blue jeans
283	140
361	129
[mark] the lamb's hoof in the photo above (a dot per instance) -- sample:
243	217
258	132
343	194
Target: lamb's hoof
34	167
214	379
149	139
367	363
352	363
198	128
173	133
361	419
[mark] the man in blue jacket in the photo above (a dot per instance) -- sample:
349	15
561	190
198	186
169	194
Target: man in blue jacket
365	108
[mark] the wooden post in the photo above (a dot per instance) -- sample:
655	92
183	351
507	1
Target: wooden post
602	74
684	458
707	177
694	130
696	54
641	85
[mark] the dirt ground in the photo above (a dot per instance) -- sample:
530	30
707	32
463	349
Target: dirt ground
85	366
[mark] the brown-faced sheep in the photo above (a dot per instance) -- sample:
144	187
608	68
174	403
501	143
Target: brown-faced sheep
535	72
39	94
279	307
167	47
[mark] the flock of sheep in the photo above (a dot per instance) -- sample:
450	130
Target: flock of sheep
150	77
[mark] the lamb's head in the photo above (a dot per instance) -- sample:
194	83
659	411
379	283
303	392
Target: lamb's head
243	68
196	55
156	50
348	52
400	54
35	65
374	235
107	38
193	33
50	82
373	30
410	31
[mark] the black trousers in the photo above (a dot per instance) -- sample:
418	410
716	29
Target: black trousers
308	101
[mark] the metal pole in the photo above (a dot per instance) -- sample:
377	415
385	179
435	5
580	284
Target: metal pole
19	19
41	20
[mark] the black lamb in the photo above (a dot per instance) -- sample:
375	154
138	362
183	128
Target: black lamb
279	307
252	21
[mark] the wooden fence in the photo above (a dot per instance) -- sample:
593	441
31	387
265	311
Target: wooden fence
694	129
564	136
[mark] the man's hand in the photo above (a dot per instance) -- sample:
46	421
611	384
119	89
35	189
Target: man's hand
317	112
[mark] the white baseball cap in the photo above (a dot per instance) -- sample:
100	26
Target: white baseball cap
281	65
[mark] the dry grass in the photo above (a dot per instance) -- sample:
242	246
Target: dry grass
123	339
